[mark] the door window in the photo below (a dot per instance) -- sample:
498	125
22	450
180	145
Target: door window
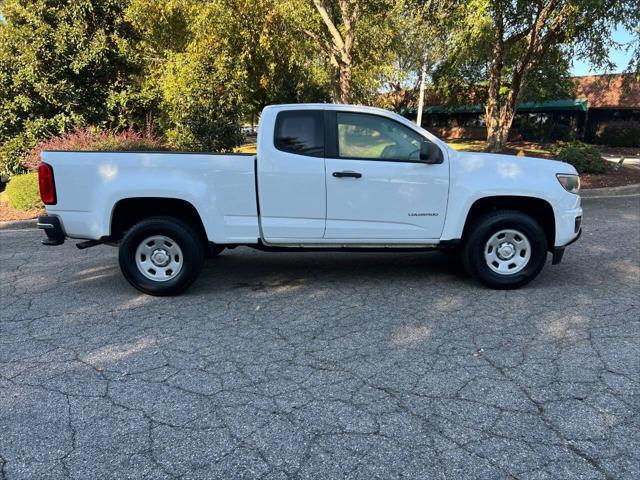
300	132
371	137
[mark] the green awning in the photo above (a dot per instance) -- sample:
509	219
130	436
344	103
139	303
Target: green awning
578	104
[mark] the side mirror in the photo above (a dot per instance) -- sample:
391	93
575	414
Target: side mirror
430	153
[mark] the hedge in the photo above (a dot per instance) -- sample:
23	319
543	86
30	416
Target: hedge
23	192
619	133
586	158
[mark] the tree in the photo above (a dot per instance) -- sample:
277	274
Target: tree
508	41
202	100
331	26
633	69
258	34
339	46
355	38
211	64
423	29
63	63
189	72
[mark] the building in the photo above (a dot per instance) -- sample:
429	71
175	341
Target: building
599	99
608	98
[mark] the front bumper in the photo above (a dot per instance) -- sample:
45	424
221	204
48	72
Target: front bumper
558	252
53	229
566	209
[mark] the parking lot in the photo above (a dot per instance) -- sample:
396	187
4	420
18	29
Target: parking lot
323	365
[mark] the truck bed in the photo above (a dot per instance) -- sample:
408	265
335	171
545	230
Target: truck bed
221	187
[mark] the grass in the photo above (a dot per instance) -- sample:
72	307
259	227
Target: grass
530	149
249	145
466	145
246	148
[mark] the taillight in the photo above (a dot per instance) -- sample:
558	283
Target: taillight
47	185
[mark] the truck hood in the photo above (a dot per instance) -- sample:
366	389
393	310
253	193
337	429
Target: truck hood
509	166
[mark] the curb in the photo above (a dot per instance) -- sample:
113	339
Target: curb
19	224
611	191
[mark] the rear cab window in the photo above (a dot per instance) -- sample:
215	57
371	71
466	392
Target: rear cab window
300	132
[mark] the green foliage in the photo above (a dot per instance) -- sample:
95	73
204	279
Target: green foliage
585	158
202	101
258	36
12	154
462	75
15	150
619	133
382	28
63	63
381	33
422	31
196	69
23	192
518	49
218	62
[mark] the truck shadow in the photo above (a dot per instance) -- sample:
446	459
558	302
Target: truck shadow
245	269
259	271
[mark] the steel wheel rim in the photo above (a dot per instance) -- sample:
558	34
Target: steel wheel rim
507	252
159	258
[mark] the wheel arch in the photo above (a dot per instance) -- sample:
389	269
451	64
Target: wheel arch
537	208
128	211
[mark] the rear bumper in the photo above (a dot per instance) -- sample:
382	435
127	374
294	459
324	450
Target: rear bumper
53	229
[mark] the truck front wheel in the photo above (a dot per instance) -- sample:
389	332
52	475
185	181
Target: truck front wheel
161	256
505	249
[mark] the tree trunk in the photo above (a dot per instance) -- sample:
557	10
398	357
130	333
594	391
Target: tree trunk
343	92
495	142
495	129
340	46
423	79
500	112
498	130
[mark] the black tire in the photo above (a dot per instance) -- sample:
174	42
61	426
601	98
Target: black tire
484	228
183	235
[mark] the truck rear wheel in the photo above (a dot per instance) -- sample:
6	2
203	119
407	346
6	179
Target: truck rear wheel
505	249
161	256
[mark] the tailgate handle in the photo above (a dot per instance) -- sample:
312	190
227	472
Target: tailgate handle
347	174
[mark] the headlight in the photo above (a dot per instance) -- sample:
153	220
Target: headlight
571	183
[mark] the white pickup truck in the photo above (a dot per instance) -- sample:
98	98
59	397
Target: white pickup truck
325	177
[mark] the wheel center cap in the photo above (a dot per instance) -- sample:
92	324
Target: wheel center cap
160	258
506	251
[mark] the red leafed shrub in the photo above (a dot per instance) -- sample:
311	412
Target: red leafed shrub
93	139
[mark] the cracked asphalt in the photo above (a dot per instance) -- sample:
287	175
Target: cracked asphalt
323	365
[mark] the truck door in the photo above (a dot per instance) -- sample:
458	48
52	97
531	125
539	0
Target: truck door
377	186
291	174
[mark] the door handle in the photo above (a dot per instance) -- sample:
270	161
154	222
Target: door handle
347	174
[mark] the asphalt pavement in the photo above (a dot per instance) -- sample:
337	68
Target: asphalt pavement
323	365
